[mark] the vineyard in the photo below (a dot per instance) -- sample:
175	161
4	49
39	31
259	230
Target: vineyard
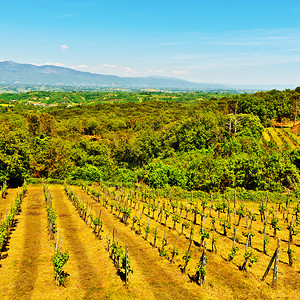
282	138
99	241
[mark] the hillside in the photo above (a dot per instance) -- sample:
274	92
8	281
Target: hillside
174	178
14	73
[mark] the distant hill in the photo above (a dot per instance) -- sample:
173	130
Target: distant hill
14	73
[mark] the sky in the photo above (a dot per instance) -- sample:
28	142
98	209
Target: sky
215	41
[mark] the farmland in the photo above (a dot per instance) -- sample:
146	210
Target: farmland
283	138
26	264
149	196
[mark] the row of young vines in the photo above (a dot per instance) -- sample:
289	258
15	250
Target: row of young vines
119	256
8	222
61	256
189	219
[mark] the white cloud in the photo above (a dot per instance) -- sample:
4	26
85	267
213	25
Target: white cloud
156	71
105	66
108	69
179	72
81	67
64	47
57	64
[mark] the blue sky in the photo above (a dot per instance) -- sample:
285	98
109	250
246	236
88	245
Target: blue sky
221	41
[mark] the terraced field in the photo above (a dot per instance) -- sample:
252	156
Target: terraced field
164	238
284	138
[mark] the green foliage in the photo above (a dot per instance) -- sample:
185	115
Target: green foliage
204	234
186	257
163	252
291	256
59	261
158	174
233	252
293	230
249	255
88	172
274	223
51	214
162	139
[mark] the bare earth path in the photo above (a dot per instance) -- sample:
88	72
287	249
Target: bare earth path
27	269
153	277
92	274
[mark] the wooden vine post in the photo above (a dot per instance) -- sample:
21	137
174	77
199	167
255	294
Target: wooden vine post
174	249
265	237
155	237
213	240
187	257
290	250
234	249
147	229
243	267
126	265
200	275
203	265
163	244
275	259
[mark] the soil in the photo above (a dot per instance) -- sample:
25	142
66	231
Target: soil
27	271
153	277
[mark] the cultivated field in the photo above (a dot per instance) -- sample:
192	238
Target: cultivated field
166	239
283	138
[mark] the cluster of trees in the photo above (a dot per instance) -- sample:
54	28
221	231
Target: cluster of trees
269	105
205	144
88	97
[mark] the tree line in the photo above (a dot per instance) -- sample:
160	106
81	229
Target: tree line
196	142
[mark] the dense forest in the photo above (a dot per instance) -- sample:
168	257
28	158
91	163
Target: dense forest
196	141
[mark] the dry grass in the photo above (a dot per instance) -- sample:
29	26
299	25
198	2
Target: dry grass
224	279
290	137
275	137
266	136
27	271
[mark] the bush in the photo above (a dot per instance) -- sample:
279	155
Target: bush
88	173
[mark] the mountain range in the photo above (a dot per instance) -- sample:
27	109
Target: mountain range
15	73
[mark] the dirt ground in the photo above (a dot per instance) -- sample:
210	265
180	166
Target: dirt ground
153	277
224	279
26	266
27	272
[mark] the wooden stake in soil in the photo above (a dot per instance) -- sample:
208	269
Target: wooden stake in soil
234	239
174	249
187	257
163	242
147	229
213	240
290	251
200	275
275	258
55	241
133	220
265	237
155	235
243	267
126	264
